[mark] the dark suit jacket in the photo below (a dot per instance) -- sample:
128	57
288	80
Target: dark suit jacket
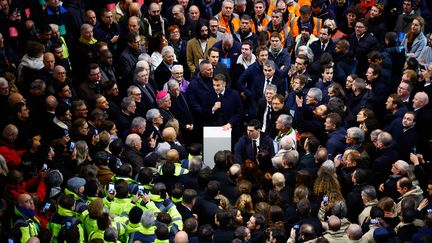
316	48
145	100
181	111
184	211
243	148
162	74
231	109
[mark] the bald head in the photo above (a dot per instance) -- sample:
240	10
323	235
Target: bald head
169	134
172	155
33	239
420	100
278	179
235	170
334	223
15	98
181	237
354	232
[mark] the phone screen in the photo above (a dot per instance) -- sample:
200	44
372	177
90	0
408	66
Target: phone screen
111	188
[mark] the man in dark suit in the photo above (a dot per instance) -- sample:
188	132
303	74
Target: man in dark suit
163	72
324	44
223	106
180	110
185	207
250	144
148	94
423	120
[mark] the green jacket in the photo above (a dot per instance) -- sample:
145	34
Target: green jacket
59	219
158	204
121	229
119	206
29	227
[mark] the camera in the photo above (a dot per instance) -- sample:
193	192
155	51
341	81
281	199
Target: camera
300	93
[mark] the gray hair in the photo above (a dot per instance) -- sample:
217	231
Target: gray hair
385	138
369	192
271	87
291	158
152	113
131	88
403	166
330	21
138	122
37	84
308	51
356	133
172	83
177	67
166	50
374	134
316	93
54	27
85	27
270	64
132	140
3	81
286	143
126	102
286	120
137	71
340	209
147	218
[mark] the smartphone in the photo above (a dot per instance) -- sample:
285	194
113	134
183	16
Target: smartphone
96	132
46	207
68	225
429	210
140	190
10	240
66	132
339	156
325	200
45	167
296	226
71	146
414	150
111	189
422	67
374	221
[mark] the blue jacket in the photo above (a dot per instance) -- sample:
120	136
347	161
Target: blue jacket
196	93
393	122
283	58
233	53
336	142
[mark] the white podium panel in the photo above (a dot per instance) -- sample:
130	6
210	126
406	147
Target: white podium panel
215	139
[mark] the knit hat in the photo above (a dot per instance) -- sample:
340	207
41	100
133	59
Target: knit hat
75	183
381	235
160	95
306	26
54	178
135	215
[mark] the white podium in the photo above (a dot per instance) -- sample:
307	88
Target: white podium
215	139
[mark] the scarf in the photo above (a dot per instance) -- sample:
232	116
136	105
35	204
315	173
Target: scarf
90	42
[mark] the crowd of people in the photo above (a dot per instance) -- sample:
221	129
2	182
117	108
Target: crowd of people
103	105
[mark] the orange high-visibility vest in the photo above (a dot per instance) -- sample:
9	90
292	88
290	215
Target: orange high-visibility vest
264	23
284	33
224	23
296	29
